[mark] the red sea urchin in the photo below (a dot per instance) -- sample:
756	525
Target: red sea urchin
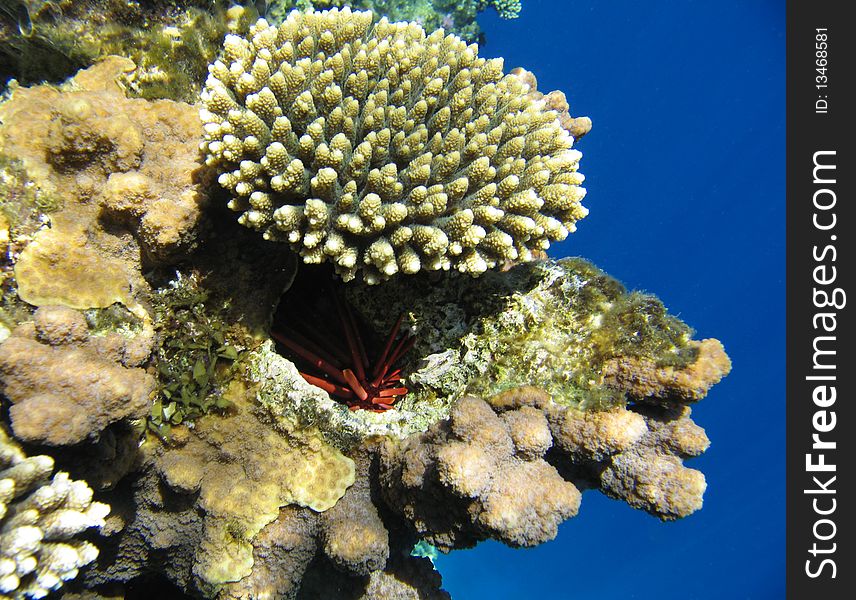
338	363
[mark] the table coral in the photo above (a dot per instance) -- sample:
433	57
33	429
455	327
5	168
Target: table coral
39	518
66	386
390	150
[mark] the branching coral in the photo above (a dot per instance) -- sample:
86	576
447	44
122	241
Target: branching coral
39	517
384	150
524	386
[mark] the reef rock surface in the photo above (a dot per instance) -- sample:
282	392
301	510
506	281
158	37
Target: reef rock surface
142	349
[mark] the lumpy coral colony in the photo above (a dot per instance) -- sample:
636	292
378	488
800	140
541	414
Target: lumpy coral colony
381	358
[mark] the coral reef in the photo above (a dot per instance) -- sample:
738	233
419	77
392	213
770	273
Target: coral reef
229	510
66	385
245	471
39	518
507	9
383	150
454	16
139	326
634	454
557	324
172	41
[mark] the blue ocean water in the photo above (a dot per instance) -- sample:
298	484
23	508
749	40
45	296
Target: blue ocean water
685	179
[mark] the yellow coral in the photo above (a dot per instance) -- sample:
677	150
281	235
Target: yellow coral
245	471
107	158
39	518
382	149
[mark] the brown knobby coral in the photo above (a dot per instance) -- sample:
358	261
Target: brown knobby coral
66	385
382	149
95	150
479	475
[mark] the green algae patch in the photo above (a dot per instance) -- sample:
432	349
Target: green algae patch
559	333
198	357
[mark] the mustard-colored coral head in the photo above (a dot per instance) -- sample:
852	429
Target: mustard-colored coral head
383	150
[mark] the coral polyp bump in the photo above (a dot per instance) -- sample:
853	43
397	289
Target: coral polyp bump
382	149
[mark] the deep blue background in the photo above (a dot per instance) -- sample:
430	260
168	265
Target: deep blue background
685	179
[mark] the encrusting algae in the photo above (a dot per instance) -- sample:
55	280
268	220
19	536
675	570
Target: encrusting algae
147	339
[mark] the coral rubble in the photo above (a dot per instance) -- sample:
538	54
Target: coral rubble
383	150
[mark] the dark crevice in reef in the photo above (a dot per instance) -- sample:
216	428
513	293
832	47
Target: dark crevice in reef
583	474
317	327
